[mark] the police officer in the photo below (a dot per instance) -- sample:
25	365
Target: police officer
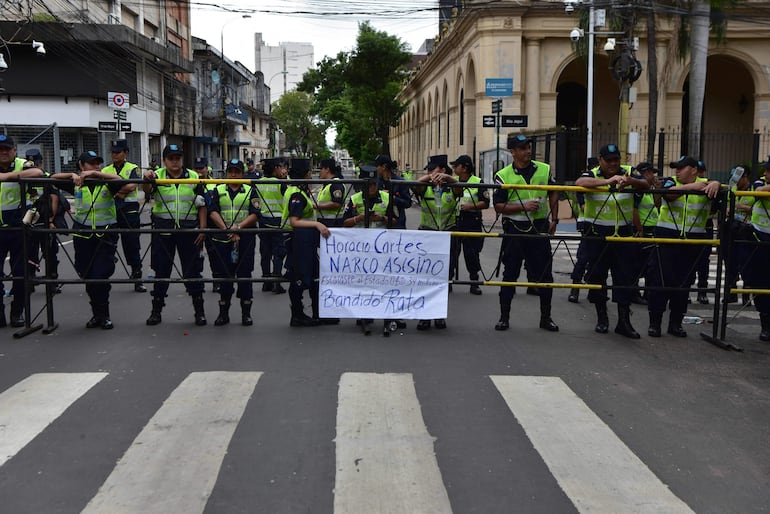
646	207
11	236
251	173
299	214
390	182
581	257
682	216
470	206
703	265
611	215
374	204
740	228
52	206
234	207
127	202
369	209
525	211
756	274
38	200
272	244
202	168
331	197
407	173
95	209
438	211
177	206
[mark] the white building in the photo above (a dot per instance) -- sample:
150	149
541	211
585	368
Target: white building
282	65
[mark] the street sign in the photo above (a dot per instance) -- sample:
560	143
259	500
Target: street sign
497	106
488	121
119	115
118	101
108	126
499	87
125	126
515	121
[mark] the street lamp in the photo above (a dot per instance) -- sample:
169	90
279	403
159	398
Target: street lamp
284	73
226	148
575	35
277	131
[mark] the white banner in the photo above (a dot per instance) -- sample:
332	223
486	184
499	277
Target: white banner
384	274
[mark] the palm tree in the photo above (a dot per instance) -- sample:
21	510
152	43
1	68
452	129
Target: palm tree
700	13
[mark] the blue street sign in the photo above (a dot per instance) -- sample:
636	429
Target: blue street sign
499	87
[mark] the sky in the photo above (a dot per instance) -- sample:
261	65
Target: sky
330	26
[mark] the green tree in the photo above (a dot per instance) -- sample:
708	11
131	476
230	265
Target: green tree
357	91
304	132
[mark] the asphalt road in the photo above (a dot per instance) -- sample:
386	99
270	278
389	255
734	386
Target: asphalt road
267	419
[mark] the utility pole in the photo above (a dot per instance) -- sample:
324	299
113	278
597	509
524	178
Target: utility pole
626	69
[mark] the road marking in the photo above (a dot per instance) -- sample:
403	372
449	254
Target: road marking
593	467
385	457
173	463
28	407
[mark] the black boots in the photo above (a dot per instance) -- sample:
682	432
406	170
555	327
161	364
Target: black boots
200	316
764	319
224	313
546	323
423	324
602	319
300	319
574	293
277	287
475	289
656	318
246	313
505	313
157	307
17	314
138	286
675	324
101	317
624	327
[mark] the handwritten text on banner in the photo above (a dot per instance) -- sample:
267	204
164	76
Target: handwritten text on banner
383	274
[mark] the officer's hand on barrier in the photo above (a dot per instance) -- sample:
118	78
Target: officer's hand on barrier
712	189
149	175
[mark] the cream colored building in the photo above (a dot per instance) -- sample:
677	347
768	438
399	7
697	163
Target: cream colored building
530	42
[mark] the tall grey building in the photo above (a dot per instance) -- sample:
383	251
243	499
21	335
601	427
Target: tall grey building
282	65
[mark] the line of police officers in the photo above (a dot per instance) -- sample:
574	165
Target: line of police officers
184	208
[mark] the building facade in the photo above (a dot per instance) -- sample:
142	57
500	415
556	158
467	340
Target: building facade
232	106
55	100
283	65
530	43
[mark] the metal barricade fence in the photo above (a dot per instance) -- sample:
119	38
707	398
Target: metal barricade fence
723	236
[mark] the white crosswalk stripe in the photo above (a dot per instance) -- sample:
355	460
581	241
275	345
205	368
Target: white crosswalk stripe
385	457
30	406
593	467
384	454
173	463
